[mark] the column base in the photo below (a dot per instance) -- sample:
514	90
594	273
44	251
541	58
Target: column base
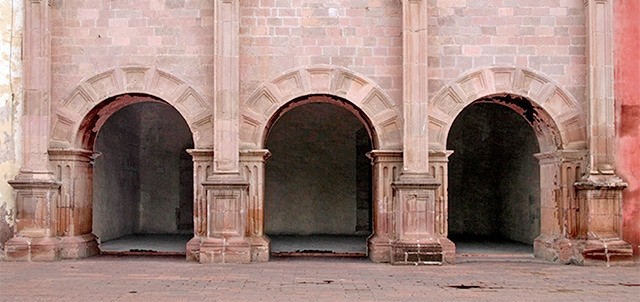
588	252
32	249
78	247
260	248
429	252
225	250
379	249
193	249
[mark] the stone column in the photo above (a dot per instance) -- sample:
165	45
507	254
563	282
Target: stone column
600	193
226	189
252	162
387	165
202	167
74	209
36	189
414	191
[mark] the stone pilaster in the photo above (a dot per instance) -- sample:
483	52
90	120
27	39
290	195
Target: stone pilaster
414	190
439	166
74	170
36	189
252	162
202	167
387	165
226	189
559	208
600	193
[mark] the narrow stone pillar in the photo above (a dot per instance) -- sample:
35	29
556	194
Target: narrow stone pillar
600	193
414	191
253	170
226	189
202	167
439	166
36	189
74	209
559	208
387	165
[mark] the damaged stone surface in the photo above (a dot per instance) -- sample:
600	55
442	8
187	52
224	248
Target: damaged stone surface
227	70
11	24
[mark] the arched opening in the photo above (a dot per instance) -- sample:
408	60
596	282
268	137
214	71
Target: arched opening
143	178
318	179
494	178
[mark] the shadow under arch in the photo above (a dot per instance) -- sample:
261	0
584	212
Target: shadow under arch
559	124
74	158
323	99
494	181
318	178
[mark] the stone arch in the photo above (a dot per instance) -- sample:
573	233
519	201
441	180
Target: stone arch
69	116
362	93
559	121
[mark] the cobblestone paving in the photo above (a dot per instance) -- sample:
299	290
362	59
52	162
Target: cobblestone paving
171	279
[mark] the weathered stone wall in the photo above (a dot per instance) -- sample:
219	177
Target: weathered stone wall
544	35
11	18
89	37
627	96
364	36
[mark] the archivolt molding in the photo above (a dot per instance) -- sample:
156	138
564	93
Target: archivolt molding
328	80
564	110
70	112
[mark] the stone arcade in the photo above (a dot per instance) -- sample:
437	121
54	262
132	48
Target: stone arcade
228	71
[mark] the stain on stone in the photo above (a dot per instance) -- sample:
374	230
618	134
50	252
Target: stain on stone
629	120
6	231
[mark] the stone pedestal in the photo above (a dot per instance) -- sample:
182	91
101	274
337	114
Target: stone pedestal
74	209
35	238
600	199
416	240
225	240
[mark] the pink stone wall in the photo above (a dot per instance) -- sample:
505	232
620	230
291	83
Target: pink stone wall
364	36
544	35
89	37
627	96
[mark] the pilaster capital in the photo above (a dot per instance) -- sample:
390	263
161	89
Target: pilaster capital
560	156
201	154
385	156
258	155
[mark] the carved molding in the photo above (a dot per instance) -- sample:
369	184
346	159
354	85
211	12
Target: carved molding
565	112
320	80
71	110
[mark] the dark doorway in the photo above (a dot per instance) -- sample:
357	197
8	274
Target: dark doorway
318	182
143	181
494	182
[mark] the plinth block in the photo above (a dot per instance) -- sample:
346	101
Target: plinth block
225	250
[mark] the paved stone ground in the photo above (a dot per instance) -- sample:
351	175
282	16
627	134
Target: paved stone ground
322	279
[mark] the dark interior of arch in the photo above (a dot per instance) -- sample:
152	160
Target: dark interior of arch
143	179
494	179
318	178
